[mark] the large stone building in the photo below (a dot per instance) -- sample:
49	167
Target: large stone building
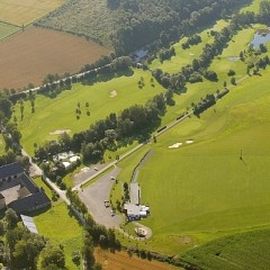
19	192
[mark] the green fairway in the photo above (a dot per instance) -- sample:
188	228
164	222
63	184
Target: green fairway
211	188
61	228
221	65
246	251
2	145
7	30
254	7
53	116
185	57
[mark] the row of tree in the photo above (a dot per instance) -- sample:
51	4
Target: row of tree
134	123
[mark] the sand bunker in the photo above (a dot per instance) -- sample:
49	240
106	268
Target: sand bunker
189	141
233	58
191	54
113	93
175	146
60	131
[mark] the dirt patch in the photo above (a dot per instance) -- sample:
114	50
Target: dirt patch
29	56
122	261
113	93
60	131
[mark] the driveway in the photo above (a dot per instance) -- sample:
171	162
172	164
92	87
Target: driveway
86	173
94	196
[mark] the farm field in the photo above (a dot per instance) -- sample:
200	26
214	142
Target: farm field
50	52
24	12
245	251
213	190
185	57
7	30
67	232
53	116
121	260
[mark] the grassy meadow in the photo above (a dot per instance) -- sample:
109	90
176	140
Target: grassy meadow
58	114
61	228
238	252
185	57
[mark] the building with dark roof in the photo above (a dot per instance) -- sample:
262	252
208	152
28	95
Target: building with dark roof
19	192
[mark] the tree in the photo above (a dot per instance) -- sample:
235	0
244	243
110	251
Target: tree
231	73
52	257
26	251
233	81
11	218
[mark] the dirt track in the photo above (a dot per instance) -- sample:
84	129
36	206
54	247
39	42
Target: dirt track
29	56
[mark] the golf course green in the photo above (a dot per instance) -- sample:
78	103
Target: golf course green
54	116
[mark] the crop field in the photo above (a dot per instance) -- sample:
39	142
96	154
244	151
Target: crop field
50	52
184	57
7	30
24	12
53	116
121	260
67	232
245	251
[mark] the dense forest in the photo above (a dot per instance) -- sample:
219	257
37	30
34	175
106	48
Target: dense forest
127	25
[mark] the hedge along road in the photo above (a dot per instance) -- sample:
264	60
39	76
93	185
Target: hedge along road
135	149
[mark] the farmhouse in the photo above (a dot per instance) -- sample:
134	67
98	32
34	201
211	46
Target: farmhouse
18	191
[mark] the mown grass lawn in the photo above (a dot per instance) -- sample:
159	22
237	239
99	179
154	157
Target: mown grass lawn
61	229
185	57
221	65
246	251
58	114
205	188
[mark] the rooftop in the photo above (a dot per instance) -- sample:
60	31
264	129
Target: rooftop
10	170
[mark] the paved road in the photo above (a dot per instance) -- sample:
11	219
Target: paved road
94	196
